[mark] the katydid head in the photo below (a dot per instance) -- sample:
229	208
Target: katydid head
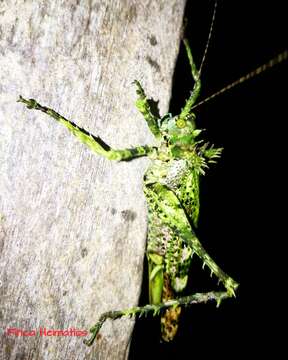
178	130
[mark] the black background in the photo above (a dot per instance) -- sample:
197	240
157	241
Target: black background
239	216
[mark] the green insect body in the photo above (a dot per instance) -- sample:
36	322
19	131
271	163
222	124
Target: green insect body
171	187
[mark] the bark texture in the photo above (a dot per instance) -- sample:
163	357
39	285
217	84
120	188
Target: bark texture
73	225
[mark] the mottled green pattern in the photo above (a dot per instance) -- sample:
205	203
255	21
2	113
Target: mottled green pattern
171	187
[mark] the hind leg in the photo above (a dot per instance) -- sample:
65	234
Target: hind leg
197	298
170	211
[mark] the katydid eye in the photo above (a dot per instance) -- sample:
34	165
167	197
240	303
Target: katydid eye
180	123
191	117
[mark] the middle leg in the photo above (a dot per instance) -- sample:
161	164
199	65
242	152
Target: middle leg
95	143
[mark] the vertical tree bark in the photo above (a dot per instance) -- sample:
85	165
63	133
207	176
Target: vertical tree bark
73	225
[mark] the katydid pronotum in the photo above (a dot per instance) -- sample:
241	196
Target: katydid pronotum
171	187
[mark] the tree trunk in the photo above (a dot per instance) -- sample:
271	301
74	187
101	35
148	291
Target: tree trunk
73	225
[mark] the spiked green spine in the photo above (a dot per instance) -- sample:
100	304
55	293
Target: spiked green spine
171	187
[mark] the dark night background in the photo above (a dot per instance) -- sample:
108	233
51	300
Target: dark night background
238	216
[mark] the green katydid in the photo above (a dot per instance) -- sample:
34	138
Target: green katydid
171	187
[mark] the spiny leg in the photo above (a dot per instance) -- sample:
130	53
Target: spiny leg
171	212
197	298
186	111
95	143
147	109
171	205
168	221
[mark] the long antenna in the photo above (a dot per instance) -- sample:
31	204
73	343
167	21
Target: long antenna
275	61
209	37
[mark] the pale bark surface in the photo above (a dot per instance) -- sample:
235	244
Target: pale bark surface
73	225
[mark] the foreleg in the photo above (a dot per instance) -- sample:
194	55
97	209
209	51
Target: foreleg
95	143
197	85
147	108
